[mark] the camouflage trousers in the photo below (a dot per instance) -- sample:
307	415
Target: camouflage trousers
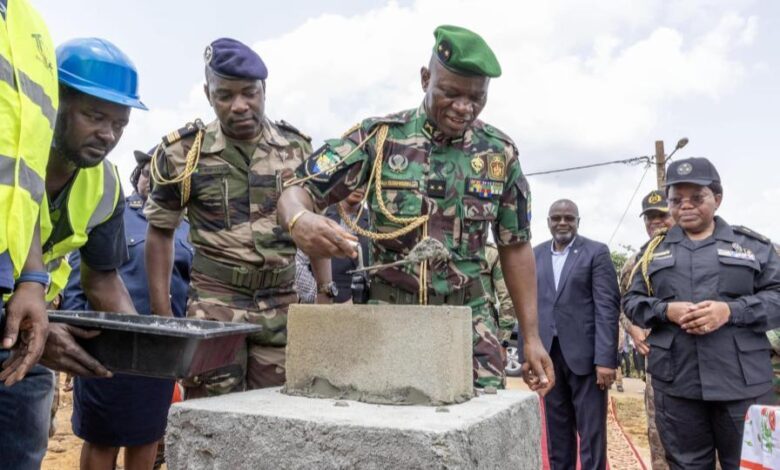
260	363
488	361
657	453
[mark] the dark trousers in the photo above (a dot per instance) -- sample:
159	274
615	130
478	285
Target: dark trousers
639	362
625	363
693	430
575	406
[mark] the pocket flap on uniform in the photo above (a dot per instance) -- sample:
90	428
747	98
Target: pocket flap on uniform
661	338
732	261
748	341
659	263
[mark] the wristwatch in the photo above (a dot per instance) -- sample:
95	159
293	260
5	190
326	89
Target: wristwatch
328	289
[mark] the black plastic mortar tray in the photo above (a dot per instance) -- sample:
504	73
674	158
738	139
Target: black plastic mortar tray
157	346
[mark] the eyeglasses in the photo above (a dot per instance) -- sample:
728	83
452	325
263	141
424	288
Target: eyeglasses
558	218
695	200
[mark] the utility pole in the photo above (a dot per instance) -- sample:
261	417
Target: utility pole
660	163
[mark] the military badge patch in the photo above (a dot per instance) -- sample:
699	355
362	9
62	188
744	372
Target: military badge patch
684	169
654	198
398	163
477	164
437	188
323	163
496	167
484	188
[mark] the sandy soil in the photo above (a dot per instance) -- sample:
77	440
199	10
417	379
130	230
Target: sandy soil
64	447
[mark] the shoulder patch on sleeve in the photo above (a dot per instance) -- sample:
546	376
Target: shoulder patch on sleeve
289	127
747	232
189	129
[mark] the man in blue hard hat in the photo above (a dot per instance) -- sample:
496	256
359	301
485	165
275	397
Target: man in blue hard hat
82	209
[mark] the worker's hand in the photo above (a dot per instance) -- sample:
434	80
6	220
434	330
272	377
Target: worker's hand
26	328
64	354
705	317
605	376
639	336
318	236
538	371
676	310
323	299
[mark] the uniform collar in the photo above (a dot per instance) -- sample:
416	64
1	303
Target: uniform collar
433	133
722	231
214	140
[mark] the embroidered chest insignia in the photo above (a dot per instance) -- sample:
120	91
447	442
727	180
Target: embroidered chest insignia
496	167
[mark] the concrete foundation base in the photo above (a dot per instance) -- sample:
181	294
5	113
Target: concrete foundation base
268	429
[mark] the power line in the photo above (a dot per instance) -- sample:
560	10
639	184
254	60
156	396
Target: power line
630	161
628	206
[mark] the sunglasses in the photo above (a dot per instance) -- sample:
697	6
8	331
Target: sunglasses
558	218
695	200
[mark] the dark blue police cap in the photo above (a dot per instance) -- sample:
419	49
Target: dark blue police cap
234	59
698	171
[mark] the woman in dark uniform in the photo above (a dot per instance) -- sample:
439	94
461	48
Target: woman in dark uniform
709	291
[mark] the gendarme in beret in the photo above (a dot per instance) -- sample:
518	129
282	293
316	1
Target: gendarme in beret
655	200
465	52
229	58
692	170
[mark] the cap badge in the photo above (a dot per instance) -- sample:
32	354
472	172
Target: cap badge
444	50
477	164
684	169
398	163
654	198
208	54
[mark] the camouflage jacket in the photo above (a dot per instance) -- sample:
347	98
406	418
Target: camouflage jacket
233	196
495	286
466	185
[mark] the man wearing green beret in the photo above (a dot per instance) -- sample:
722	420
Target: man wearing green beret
433	171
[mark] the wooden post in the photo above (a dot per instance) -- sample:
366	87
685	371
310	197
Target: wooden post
660	164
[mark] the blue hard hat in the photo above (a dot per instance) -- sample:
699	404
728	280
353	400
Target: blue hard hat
97	67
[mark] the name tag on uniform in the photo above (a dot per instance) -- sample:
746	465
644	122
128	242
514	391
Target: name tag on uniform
484	188
662	254
747	255
400	184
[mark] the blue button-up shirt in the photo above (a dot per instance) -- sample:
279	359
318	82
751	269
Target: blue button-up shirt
133	272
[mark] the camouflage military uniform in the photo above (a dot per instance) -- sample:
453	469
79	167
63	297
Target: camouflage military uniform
493	281
243	269
657	453
465	185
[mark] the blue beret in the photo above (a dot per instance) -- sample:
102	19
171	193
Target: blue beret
234	59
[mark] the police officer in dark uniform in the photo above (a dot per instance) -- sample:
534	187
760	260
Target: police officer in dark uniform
708	291
128	411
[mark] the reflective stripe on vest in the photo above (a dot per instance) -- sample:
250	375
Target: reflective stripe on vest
91	201
28	111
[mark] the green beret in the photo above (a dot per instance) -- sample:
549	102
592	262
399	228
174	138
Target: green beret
465	52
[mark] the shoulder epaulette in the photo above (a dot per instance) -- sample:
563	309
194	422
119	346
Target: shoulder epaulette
497	133
747	232
186	131
289	127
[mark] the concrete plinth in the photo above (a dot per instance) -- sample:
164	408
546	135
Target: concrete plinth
389	354
268	429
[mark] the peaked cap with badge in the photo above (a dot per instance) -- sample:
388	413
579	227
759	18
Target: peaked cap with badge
696	170
423	183
655	200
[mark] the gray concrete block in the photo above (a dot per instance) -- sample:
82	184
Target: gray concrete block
265	429
392	354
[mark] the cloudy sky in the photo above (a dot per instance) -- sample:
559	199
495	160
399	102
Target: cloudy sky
583	82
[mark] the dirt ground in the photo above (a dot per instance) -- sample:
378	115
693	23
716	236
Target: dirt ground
64	447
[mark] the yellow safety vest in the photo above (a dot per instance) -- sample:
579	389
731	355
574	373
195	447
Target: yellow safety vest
28	111
91	201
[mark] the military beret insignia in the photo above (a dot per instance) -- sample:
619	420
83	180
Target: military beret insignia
496	167
444	50
208	54
484	188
